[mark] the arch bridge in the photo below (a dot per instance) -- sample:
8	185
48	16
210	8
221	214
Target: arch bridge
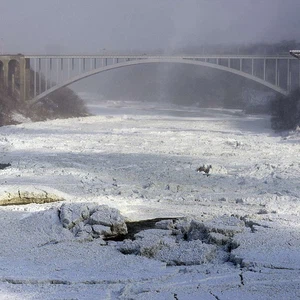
33	77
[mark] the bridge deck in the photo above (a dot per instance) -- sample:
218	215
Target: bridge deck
144	56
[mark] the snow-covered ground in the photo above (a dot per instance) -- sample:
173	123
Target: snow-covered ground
234	233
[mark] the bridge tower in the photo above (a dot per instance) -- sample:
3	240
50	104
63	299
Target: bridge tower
15	75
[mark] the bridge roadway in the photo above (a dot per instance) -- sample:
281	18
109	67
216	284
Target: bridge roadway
280	73
145	56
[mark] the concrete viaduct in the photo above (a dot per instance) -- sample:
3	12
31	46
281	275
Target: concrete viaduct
33	77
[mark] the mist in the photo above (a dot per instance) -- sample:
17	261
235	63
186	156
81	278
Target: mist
93	26
152	27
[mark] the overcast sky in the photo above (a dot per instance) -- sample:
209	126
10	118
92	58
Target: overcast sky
89	26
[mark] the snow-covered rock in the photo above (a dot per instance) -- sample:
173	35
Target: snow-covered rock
17	195
92	220
162	245
185	242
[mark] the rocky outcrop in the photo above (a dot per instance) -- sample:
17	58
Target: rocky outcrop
4	166
27	195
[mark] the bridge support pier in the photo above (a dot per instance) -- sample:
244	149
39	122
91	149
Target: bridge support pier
15	75
5	74
22	80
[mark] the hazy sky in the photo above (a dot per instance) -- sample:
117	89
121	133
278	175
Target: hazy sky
89	26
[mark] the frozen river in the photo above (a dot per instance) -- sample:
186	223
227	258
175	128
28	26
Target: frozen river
142	159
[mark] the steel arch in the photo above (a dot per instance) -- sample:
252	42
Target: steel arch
157	60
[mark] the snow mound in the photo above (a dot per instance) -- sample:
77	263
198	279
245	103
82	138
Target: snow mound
186	242
90	220
19	118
